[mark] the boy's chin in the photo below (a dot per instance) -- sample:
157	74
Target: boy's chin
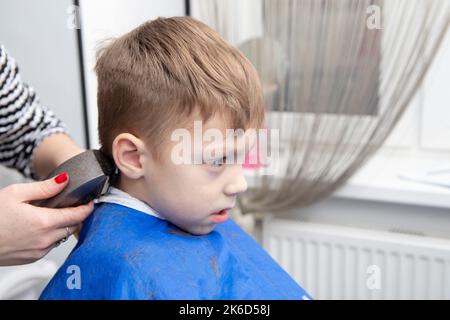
199	230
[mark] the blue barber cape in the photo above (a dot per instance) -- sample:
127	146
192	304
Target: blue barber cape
123	253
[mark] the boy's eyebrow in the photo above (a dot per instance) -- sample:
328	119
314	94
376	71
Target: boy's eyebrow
222	147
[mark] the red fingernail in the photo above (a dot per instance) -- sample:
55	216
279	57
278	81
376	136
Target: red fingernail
62	177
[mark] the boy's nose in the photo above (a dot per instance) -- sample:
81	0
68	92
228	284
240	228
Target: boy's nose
237	183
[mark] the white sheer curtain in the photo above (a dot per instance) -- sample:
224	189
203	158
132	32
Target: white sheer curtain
337	74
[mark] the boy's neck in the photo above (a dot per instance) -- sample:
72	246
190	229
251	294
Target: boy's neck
130	186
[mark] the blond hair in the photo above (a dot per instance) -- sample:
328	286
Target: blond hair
152	78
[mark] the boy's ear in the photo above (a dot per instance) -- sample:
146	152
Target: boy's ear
128	152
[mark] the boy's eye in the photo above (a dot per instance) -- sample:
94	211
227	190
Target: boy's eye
218	162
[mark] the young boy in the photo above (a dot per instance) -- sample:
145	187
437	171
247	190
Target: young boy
162	231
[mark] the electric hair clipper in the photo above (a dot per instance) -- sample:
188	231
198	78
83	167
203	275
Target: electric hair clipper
90	175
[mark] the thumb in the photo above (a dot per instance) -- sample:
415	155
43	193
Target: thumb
43	189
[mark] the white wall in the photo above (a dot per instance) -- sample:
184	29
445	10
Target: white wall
35	33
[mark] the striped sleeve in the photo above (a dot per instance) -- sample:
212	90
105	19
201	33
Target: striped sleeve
24	122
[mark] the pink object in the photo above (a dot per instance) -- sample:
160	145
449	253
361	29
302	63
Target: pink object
252	159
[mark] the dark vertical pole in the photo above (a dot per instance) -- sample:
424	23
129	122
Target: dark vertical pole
82	78
187	6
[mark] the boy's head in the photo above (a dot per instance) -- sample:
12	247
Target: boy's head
160	77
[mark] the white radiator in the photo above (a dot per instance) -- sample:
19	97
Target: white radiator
337	262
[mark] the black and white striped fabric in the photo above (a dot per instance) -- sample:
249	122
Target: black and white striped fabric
24	122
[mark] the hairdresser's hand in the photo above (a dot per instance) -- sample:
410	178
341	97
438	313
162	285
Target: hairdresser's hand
27	232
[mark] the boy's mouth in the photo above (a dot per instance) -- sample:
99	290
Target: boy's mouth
220	216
